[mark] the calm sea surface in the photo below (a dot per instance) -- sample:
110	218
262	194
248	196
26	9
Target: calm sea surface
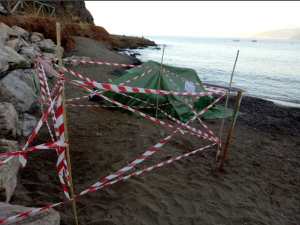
268	68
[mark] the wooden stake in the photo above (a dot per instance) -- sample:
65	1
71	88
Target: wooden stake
237	55
65	120
159	81
239	95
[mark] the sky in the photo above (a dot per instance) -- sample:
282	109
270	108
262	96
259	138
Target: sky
241	19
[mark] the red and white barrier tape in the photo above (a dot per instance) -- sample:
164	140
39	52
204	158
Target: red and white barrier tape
107	184
73	99
22	156
119	88
201	85
101	63
111	106
146	154
64	171
49	145
35	66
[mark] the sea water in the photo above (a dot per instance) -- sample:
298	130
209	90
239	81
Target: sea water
268	68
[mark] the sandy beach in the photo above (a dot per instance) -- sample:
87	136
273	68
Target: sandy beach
259	185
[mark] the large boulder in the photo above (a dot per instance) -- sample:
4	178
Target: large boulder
45	217
11	32
25	43
3	65
29	51
4	34
23	33
39	35
9	171
8	120
35	38
26	125
48	45
17	92
33	81
15	61
15	44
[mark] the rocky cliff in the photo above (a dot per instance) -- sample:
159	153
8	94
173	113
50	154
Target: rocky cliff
75	20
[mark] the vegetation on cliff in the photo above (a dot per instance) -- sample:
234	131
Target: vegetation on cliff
75	20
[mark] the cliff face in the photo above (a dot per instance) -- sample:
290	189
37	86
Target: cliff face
75	20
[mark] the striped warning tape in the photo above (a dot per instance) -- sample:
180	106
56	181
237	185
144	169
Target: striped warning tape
100	63
64	170
119	88
108	184
34	67
110	106
90	80
145	155
201	85
73	99
22	156
49	145
205	136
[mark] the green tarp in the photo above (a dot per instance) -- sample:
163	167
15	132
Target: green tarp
179	110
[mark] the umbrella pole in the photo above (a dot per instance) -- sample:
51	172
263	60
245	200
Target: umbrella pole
159	80
219	146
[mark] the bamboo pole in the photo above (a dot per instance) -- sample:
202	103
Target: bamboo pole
238	97
65	120
237	55
159	80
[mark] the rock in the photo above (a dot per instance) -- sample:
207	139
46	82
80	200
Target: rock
3	65
35	38
26	124
15	61
9	30
4	34
2	41
49	55
27	60
39	35
29	51
74	57
15	44
85	58
24	34
4	26
25	43
8	120
17	92
48	46
9	171
34	80
45	217
162	133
